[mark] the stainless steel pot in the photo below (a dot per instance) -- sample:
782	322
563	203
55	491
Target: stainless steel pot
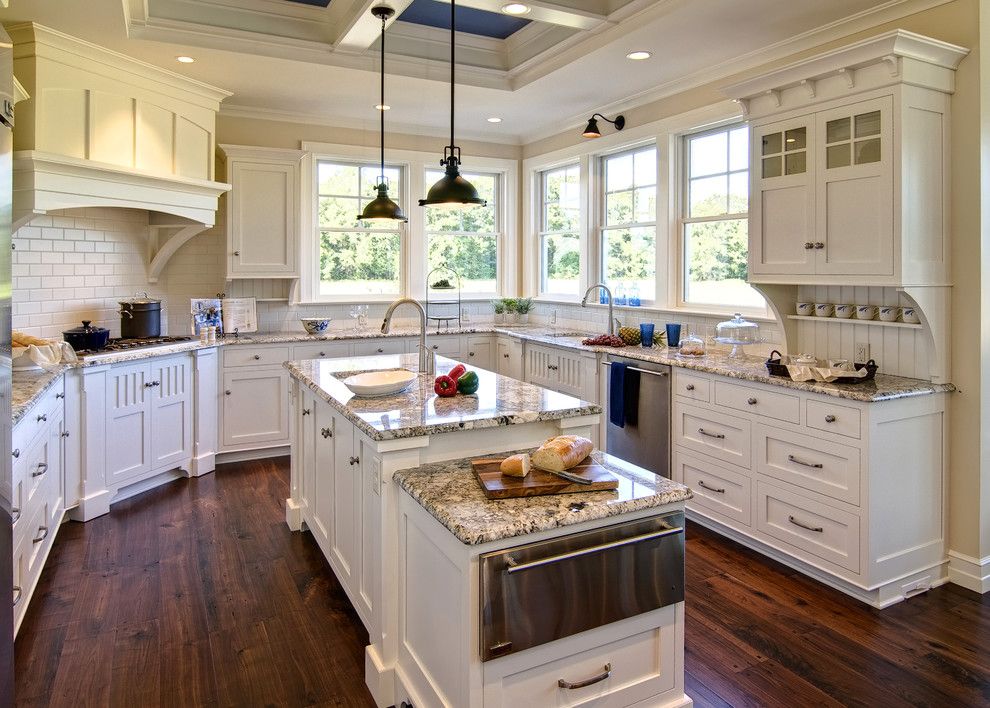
140	317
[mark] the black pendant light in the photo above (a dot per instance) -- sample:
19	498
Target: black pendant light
452	191
592	131
381	208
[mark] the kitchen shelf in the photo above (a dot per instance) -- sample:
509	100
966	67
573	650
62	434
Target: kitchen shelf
869	323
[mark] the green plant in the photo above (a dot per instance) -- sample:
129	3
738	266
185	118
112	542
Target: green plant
524	305
510	304
499	306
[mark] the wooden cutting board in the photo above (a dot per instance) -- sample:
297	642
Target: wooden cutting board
537	482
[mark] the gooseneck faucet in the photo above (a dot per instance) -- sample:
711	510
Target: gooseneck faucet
427	362
584	303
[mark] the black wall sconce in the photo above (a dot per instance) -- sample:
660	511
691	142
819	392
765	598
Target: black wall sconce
592	131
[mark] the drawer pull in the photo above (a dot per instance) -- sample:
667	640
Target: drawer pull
227	392
381	350
306	411
43	418
43	530
436	346
470	353
606	672
17	594
808	245
323	354
701	483
42	468
65	433
819	245
816	529
813	465
690	387
257	357
16	453
326	433
830	418
237	253
15	514
717	436
59	395
505	356
354	460
751	401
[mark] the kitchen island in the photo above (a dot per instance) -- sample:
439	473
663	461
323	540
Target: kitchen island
379	482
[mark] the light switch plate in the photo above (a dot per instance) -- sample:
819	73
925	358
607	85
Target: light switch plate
862	352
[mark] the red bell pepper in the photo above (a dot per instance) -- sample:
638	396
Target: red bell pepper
457	371
445	386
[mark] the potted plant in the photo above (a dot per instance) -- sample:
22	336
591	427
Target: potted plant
523	307
510	309
499	306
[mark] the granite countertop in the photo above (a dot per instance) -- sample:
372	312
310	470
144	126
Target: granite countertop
450	492
418	411
28	386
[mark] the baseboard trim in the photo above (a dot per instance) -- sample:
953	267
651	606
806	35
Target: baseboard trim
247	455
379	679
969	572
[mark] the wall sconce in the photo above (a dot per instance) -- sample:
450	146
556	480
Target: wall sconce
592	131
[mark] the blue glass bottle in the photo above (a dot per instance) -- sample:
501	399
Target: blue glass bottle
634	300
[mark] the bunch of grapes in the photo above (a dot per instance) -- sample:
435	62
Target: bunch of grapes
604	340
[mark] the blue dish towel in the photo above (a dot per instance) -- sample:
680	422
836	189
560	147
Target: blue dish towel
617	394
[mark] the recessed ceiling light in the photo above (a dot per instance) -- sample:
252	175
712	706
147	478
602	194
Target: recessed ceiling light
184	59
494	119
515	8
381	107
638	55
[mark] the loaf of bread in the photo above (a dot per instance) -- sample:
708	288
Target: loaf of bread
562	453
515	466
19	339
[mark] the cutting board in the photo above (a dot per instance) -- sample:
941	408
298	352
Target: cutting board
537	482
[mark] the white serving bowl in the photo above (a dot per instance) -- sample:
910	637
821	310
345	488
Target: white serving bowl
315	325
380	383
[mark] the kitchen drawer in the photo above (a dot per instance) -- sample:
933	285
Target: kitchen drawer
717	490
34	470
373	347
722	436
759	401
834	418
35	420
641	666
808	529
448	346
242	355
320	350
36	537
690	386
827	468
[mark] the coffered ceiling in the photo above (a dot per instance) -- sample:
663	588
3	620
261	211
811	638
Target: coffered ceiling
316	60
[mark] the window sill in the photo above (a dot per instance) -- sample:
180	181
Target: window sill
679	311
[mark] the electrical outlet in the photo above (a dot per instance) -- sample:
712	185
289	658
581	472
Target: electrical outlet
862	352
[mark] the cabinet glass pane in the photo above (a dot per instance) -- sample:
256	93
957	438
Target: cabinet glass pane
868	124
868	151
795	163
796	139
772	144
836	130
837	156
771	167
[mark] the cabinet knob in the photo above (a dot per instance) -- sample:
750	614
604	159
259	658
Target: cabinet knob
690	387
257	357
819	245
751	401
149	384
306	411
16	453
227	392
326	433
505	356
59	395
380	350
436	346
830	418
808	245
237	253
323	353
43	418
65	433
354	460
470	353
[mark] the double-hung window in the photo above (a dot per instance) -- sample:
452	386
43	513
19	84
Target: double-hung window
714	215
560	223
356	258
466	240
628	236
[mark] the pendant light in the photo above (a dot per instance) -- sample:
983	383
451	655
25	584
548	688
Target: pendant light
381	208
452	191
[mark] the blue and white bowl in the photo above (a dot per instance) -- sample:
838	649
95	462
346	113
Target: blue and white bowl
315	325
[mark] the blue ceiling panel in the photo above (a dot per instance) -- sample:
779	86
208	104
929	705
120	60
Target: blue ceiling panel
487	24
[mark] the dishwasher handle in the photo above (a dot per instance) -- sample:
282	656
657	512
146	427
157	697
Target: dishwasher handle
514	567
661	374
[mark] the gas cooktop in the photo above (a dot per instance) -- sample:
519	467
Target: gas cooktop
123	345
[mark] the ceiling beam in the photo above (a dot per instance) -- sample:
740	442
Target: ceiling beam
361	28
542	11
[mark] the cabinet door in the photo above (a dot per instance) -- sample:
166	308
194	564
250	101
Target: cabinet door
128	422
369	532
262	218
479	352
503	357
256	408
171	412
577	376
56	461
304	452
322	428
542	365
444	345
855	205
345	505
782	204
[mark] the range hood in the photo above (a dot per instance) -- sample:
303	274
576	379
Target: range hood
96	128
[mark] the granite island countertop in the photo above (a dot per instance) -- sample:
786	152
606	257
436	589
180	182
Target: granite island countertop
450	492
418	411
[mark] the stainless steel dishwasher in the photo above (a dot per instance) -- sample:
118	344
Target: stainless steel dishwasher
647	442
539	592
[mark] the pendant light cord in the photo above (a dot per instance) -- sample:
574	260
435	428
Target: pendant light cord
382	106
453	42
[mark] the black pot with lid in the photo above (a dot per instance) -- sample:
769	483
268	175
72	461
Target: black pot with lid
140	317
87	337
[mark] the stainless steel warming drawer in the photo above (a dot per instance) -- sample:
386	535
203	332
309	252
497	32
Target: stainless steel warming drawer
534	594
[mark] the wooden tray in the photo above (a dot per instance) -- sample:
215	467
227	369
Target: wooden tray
537	482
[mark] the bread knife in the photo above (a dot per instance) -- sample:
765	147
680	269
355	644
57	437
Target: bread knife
568	476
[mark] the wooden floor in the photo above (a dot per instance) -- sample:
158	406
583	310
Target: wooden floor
197	594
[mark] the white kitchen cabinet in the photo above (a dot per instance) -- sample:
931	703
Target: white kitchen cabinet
320	435
255	408
509	357
448	345
478	351
263	212
385	345
573	373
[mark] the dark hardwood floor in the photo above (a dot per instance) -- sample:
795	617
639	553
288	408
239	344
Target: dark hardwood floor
197	594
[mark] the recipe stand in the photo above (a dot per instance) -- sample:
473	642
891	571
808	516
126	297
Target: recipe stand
445	305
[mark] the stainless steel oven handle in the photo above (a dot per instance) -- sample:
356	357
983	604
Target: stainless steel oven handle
515	567
661	374
606	672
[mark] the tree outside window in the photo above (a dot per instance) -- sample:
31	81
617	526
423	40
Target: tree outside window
629	234
466	240
356	260
560	222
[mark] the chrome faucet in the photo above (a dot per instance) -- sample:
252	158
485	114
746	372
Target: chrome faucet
427	362
584	303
